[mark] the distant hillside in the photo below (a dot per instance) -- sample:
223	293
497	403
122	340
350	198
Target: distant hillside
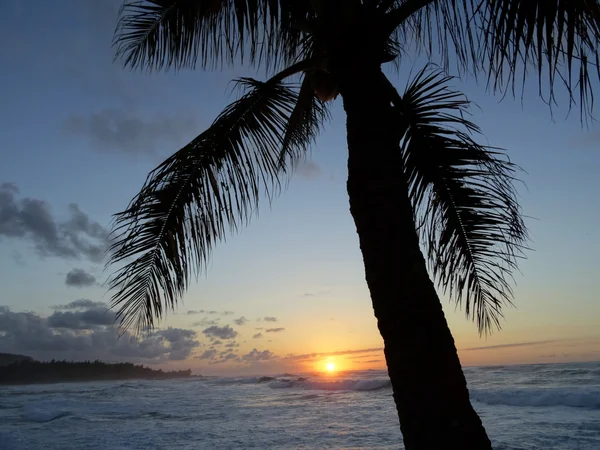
10	358
30	371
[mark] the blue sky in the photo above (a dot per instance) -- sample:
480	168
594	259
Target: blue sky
78	129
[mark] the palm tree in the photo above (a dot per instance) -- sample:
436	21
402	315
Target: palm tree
417	178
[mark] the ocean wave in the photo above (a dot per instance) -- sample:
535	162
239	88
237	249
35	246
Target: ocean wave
333	385
229	381
42	416
539	397
128	386
580	394
264	379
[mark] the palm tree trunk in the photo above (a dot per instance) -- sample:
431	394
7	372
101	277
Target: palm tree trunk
429	387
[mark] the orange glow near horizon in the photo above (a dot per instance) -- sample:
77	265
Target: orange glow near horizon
328	366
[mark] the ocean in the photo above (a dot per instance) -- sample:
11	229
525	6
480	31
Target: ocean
554	406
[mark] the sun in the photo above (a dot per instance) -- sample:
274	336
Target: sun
330	367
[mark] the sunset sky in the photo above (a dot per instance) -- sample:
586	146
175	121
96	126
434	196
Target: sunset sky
79	134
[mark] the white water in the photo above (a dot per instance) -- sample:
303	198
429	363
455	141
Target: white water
522	407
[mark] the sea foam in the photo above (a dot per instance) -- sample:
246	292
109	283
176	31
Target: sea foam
570	397
332	385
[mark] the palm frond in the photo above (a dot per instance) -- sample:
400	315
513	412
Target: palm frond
559	40
191	200
158	34
443	30
304	124
464	198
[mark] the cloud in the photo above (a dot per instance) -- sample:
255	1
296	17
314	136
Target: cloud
87	319
255	355
126	131
257	336
81	303
516	344
181	342
274	330
241	321
88	335
79	278
225	332
269	319
359	357
32	220
192	312
208	354
225	357
214	356
206	322
371	361
336	353
309	170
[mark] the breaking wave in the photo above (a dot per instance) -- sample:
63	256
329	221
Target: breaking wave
574	396
333	385
41	415
288	380
536	397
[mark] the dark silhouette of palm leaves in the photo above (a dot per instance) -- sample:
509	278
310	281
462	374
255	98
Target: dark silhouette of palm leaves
561	35
207	188
502	38
462	192
558	39
301	128
156	34
464	199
